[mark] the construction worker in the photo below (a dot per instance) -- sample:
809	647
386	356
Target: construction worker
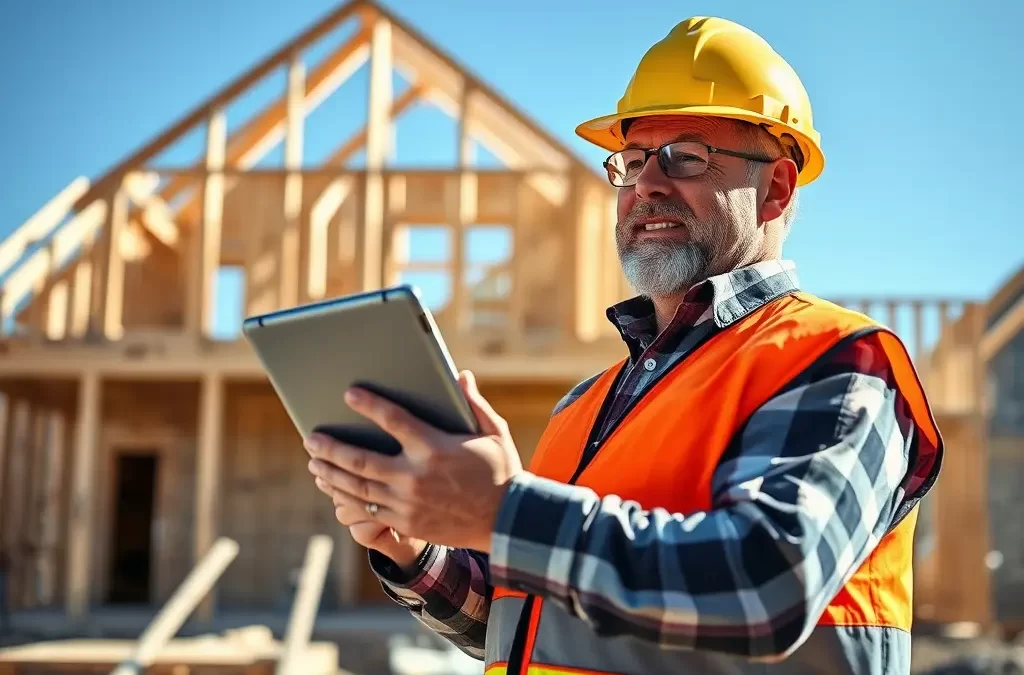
739	493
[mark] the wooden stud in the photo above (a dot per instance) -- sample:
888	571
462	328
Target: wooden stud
6	443
113	302
291	237
206	240
79	304
83	501
356	141
462	213
50	502
172	616
307	599
221	99
208	461
378	136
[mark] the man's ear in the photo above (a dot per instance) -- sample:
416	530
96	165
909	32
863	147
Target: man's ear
780	190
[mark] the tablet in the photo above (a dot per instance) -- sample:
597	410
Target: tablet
385	341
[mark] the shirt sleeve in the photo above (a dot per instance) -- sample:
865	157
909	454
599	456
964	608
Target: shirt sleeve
802	495
450	593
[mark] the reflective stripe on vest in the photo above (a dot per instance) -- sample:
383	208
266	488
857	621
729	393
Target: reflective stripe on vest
864	629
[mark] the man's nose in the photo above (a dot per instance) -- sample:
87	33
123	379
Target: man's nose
652	181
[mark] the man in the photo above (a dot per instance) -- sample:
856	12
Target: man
738	494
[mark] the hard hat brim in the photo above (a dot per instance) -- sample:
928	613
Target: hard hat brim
604	131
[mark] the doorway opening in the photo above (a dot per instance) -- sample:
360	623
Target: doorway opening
131	554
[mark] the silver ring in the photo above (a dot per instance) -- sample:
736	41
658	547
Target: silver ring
371	508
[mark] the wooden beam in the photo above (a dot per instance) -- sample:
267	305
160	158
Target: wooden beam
83	504
307	599
79	302
57	310
586	238
566	362
41	224
414	53
354	143
461	212
250	143
998	336
291	237
50	515
208	459
156	215
108	276
172	615
6	442
378	136
11	514
222	98
206	240
73	234
31	538
321	212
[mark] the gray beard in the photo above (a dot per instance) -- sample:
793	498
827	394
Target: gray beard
661	268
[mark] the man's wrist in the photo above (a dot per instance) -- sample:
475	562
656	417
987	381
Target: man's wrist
401	569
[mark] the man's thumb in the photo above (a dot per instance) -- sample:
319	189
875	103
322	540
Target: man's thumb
486	416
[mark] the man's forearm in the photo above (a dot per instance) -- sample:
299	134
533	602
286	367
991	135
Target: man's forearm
450	593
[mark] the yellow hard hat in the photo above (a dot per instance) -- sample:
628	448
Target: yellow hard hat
715	67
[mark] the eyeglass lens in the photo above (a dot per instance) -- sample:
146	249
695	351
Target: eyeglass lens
678	160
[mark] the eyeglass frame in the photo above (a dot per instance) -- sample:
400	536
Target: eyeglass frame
658	153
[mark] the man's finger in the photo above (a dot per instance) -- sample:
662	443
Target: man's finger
342	481
412	432
358	461
346	505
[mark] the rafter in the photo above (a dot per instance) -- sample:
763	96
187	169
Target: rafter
41	224
222	98
356	141
255	139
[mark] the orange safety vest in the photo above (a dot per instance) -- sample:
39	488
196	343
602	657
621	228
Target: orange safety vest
678	432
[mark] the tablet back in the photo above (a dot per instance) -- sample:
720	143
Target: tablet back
385	341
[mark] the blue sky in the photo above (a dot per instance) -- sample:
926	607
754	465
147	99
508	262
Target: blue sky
918	104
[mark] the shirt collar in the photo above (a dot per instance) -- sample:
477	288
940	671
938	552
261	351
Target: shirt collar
730	296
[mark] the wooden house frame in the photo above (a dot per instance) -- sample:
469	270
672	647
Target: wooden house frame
109	288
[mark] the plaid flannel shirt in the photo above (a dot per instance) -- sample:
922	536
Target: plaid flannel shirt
814	480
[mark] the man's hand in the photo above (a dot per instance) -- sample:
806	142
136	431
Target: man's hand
403	550
442	488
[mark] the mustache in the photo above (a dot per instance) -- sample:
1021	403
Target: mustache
672	211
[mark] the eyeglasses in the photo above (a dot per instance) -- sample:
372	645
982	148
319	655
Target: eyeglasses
682	159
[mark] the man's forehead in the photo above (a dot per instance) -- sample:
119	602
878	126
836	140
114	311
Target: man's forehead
654	131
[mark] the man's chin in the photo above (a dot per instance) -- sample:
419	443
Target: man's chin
657	272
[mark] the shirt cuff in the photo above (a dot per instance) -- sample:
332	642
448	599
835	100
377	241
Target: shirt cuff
537	534
390	573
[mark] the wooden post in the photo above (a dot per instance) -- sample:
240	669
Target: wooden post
6	441
205	256
31	519
307	599
50	501
172	616
80	521
208	448
378	137
13	514
462	213
79	302
980	466
587	240
291	244
108	275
